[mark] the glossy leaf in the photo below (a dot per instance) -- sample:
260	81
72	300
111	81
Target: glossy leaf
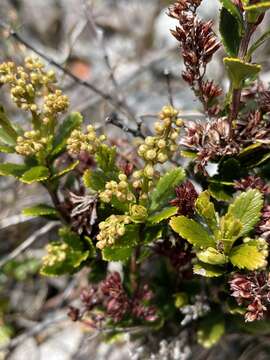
16	170
207	270
247	209
192	231
205	208
230	32
248	256
164	190
40	210
163	215
239	71
212	256
35	174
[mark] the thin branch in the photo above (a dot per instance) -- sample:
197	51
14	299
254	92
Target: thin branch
14	220
167	74
114	119
28	242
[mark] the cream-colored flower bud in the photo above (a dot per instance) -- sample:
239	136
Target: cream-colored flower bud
162	157
173	148
136	184
150	141
179	122
137	174
149	171
174	135
161	144
150	154
142	149
167	122
159	127
122	177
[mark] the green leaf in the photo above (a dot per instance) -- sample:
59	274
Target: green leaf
71	238
152	233
207	270
40	210
5	139
95	180
210	331
16	170
219	192
106	158
230	32
164	190
230	230
72	122
250	149
7	149
192	231
117	253
262	39
212	256
247	209
248	256
6	126
163	215
239	71
36	173
205	208
233	10
62	259
92	248
65	171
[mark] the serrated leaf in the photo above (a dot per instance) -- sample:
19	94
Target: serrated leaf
212	256
163	215
192	231
210	331
247	256
72	122
40	210
164	190
36	173
230	32
205	208
5	124
16	170
65	171
239	71
106	158
247	209
230	230
207	270
95	180
117	253
71	238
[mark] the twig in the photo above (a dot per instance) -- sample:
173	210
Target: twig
106	96
33	331
28	242
167	74
113	119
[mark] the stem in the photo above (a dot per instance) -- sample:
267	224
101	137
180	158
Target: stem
134	275
236	94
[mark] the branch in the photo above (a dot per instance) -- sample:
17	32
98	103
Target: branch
114	119
28	242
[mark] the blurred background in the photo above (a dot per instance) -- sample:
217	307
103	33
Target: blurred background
123	48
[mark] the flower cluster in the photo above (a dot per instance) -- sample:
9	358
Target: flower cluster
186	196
209	140
159	148
252	182
198	44
111	229
56	254
120	190
31	143
113	298
79	142
263	228
28	83
252	290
